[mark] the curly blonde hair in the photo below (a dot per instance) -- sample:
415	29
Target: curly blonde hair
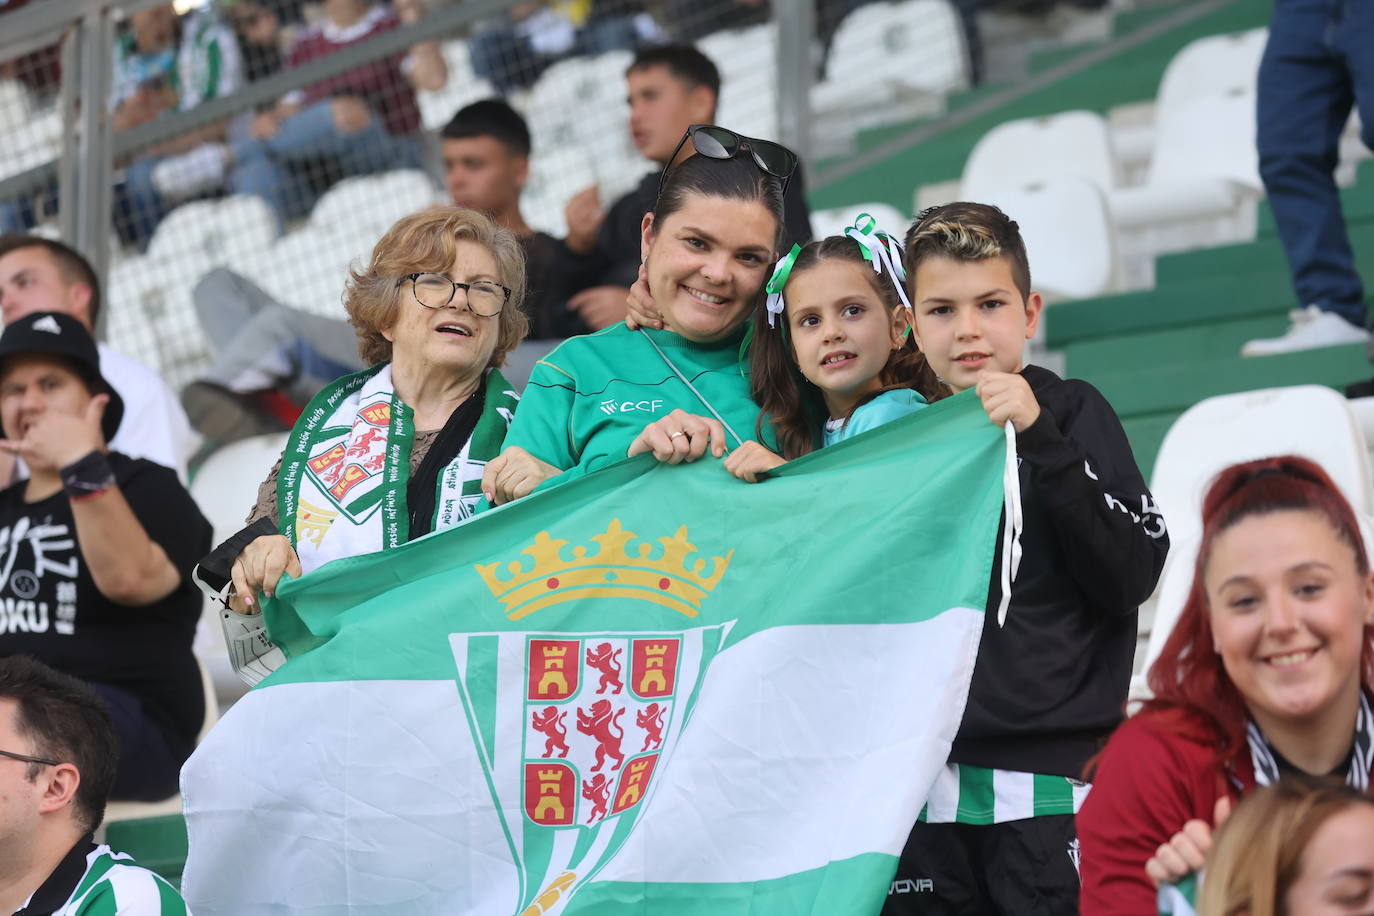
427	241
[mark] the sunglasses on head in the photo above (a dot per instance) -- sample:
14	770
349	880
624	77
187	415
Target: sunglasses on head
722	143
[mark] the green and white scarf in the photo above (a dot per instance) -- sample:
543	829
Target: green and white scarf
341	490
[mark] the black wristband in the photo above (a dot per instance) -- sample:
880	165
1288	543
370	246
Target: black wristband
88	475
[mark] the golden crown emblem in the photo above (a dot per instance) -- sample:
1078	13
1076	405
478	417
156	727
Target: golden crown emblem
614	570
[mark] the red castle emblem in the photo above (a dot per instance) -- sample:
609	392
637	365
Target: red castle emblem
326	460
352	475
376	414
653	667
633	782
549	794
553	669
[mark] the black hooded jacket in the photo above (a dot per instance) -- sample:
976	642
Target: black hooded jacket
1050	686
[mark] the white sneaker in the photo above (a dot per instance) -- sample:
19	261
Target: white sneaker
1311	329
195	172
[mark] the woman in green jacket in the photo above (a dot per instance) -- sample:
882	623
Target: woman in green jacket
708	247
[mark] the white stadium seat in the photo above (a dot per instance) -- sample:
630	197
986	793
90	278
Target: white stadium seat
1068	232
1203	184
747	60
916	44
373	201
890	62
1213	65
555	175
1024	152
462	88
224	231
579	104
156	322
307	269
1307	420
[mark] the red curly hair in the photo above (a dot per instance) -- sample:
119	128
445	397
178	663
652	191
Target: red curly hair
1193	695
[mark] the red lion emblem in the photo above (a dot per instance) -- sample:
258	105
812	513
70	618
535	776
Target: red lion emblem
332	474
604	660
651	720
598	722
364	445
550	725
598	792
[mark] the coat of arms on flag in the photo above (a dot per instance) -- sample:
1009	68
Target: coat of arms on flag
601	712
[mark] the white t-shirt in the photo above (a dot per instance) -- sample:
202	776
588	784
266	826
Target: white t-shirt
154	425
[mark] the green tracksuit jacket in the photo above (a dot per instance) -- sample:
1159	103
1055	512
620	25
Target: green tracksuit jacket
589	398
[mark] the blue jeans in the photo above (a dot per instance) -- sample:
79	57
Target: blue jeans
504	57
1318	63
138	207
21	212
264	167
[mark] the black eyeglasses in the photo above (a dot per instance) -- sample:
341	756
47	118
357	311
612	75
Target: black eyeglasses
27	759
722	143
436	291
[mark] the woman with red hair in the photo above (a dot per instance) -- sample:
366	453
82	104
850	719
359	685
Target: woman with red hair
1269	670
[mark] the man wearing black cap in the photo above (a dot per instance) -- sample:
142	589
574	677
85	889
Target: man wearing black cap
96	550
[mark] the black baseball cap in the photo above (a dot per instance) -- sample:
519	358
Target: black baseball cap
60	335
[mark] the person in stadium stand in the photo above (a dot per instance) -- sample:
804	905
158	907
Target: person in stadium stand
1268	671
44	275
98	549
57	764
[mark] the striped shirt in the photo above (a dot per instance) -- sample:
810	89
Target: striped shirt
965	794
110	885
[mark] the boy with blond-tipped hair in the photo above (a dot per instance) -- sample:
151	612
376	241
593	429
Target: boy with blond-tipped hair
997	833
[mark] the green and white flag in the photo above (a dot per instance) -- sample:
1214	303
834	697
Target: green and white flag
653	690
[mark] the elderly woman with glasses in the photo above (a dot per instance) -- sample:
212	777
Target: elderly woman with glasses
397	451
707	246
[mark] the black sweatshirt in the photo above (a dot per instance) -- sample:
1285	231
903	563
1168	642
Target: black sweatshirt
1049	687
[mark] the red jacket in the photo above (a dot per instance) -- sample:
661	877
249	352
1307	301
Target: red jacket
1148	784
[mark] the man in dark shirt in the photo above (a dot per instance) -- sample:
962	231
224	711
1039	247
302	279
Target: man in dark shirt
486	151
96	551
670	88
486	154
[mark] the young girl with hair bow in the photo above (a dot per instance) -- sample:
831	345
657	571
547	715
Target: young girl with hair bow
831	355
